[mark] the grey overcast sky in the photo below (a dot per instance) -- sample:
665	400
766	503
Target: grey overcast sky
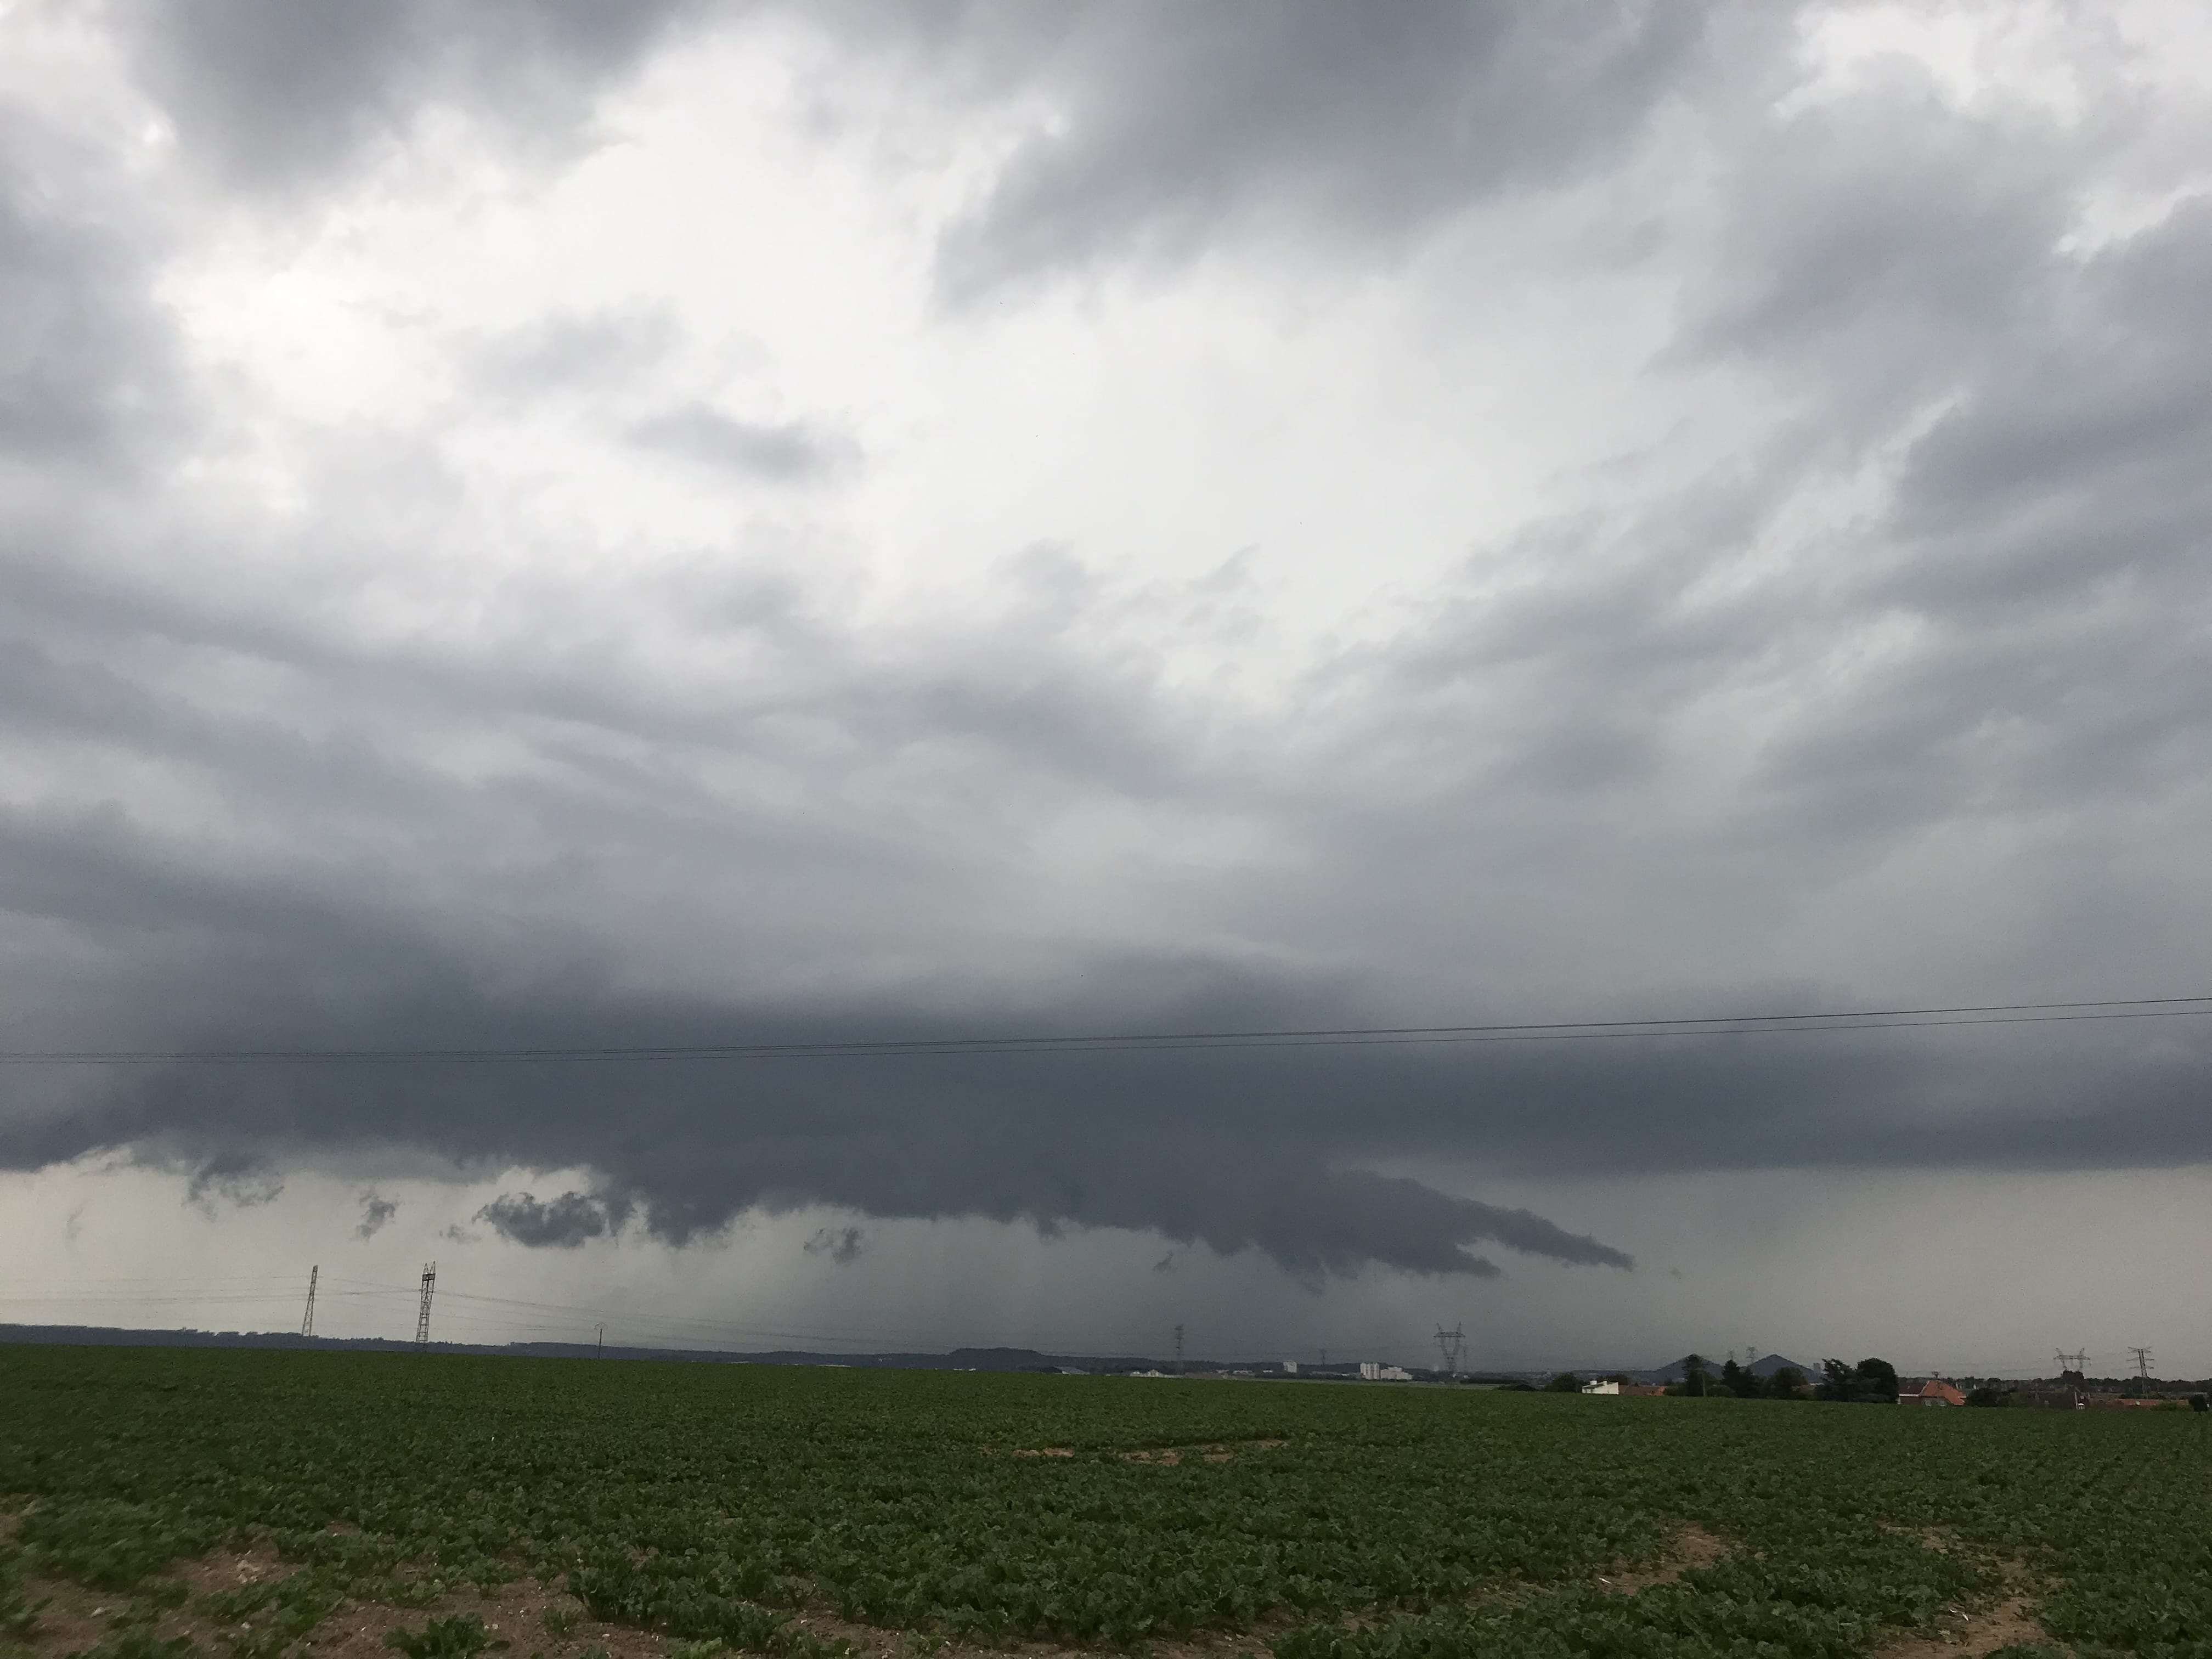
558	524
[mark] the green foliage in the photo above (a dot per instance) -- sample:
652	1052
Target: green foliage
1565	1383
1697	1381
559	1621
715	1504
18	1614
139	1642
461	1637
1871	1382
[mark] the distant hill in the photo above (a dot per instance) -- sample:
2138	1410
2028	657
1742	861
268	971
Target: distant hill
1762	1367
959	1359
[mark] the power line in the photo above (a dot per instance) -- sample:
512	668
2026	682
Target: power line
1928	1019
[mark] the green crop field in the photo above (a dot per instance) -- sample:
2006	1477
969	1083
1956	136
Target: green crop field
563	1507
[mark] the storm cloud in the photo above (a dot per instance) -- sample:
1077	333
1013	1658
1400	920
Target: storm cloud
562	1224
1190	639
376	1213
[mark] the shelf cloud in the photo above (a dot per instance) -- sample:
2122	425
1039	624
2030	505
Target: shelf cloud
1293	519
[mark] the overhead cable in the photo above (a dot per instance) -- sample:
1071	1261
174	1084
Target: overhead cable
1696	1025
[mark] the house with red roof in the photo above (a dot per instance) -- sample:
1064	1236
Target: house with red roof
1928	1391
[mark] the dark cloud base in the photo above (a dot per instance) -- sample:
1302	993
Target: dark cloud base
1245	1150
2020	615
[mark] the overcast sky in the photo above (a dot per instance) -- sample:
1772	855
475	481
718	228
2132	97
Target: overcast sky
530	524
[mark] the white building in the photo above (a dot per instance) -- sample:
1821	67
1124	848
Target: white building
1372	1372
1601	1387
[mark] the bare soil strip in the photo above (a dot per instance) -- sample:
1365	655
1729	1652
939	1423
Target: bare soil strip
73	1620
1693	1547
1968	1634
1212	1452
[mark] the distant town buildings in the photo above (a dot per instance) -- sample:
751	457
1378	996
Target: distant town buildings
1372	1372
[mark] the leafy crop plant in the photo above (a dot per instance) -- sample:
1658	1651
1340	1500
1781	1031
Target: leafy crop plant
804	1513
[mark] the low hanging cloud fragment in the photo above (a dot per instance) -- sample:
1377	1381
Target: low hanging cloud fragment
242	1180
567	1222
375	1212
842	1245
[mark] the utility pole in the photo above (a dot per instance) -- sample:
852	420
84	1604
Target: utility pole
308	1324
1178	1350
422	1319
2142	1363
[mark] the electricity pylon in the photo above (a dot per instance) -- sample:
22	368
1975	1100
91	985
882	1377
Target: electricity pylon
1451	1348
422	1319
308	1324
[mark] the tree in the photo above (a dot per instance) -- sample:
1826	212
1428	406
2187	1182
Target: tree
1788	1383
1697	1381
1565	1383
1872	1382
1877	1380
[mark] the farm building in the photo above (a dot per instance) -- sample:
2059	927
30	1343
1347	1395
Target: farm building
1928	1391
1601	1387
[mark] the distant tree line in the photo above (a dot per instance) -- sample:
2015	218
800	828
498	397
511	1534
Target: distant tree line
1701	1381
1869	1383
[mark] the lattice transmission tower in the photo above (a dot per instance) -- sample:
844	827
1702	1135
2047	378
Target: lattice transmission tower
307	1323
422	1319
1451	1348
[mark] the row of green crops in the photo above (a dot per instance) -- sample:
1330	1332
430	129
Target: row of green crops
1344	1522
